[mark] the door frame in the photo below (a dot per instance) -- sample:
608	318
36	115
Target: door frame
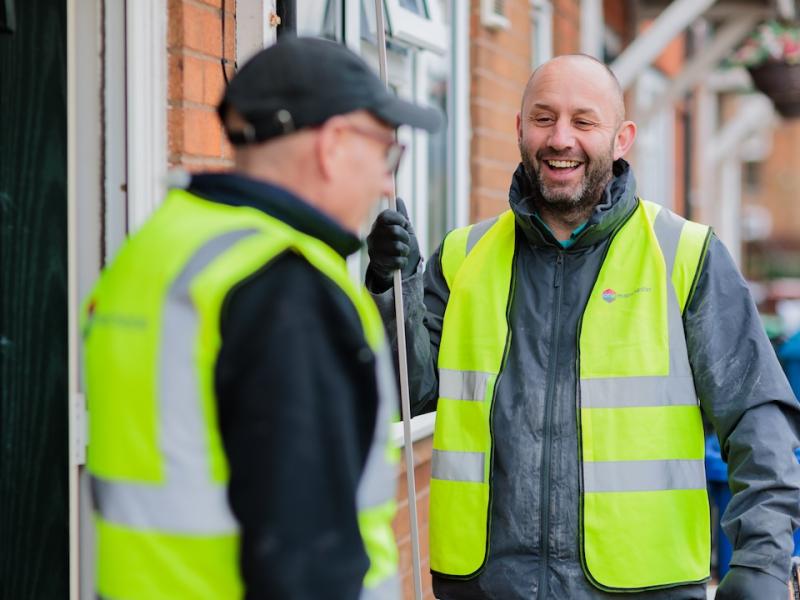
116	155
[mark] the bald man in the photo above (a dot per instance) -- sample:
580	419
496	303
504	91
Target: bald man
570	347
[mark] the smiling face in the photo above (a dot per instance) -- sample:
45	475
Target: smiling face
570	130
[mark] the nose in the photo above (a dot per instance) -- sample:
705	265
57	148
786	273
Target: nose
561	136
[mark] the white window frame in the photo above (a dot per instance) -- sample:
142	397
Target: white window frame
418	31
655	141
146	65
541	32
253	29
115	179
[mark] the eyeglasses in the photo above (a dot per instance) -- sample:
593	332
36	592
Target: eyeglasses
394	149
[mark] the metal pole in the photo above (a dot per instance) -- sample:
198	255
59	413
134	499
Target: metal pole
405	403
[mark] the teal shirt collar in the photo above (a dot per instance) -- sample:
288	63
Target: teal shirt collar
572	237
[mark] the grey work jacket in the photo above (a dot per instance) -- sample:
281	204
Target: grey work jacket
534	522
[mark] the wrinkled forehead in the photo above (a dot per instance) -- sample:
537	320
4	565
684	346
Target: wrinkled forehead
574	85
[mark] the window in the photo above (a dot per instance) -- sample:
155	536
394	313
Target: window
439	205
542	32
418	7
417	23
655	142
322	18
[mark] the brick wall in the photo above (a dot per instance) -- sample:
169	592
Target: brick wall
500	64
196	81
402	527
566	27
617	18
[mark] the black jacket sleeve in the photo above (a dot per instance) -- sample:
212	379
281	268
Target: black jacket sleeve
295	382
425	296
744	393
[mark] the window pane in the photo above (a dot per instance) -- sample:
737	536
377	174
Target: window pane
440	213
320	18
416	6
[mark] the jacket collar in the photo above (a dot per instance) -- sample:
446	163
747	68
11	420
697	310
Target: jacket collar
235	189
618	202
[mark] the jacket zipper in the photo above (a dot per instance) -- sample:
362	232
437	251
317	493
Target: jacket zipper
549	401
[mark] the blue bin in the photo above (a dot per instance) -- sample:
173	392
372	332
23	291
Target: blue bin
720	495
789	355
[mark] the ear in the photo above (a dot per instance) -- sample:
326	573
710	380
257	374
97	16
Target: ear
328	149
519	128
624	138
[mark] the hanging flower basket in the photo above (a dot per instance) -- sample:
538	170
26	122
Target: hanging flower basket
772	55
781	83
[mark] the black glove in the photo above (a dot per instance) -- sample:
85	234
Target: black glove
392	245
744	583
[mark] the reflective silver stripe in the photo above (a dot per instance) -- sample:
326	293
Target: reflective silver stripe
463	385
187	501
619	392
644	475
379	480
668	227
477	232
458	466
388	589
202	509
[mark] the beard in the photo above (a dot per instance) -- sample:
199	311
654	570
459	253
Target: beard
597	174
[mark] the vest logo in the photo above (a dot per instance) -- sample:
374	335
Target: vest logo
609	295
93	319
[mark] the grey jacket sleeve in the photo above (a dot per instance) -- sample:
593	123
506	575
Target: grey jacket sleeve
745	395
425	296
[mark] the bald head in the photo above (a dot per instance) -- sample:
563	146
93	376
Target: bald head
581	68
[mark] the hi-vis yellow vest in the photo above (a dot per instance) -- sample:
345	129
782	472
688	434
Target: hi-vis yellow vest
644	507
159	473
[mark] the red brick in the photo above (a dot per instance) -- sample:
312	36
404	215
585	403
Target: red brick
174	77
213	82
202	133
497	118
230	37
500	92
490	175
615	15
489	144
215	3
174	23
193	79
175	130
202	30
485	207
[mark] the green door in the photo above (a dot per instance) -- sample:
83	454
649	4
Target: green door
33	301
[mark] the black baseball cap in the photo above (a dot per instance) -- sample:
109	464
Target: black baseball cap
302	82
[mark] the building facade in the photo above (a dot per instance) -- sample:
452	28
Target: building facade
103	100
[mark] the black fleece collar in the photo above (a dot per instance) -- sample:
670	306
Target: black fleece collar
235	189
619	200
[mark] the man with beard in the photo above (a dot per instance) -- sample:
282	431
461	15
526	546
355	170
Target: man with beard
570	347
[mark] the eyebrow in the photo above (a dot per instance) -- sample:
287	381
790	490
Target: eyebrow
579	111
